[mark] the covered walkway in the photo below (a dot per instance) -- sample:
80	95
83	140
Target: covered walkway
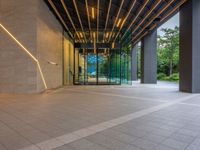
139	117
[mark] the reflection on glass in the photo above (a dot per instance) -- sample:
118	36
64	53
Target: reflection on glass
104	67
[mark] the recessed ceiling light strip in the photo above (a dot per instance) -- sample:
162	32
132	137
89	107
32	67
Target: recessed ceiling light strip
59	16
133	3
79	18
116	19
98	20
88	16
67	12
107	17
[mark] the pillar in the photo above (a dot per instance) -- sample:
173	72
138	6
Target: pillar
190	47
149	58
134	63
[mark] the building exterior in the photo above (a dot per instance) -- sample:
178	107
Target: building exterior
46	44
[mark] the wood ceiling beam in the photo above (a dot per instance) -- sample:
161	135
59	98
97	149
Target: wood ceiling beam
79	18
127	15
59	16
71	21
139	36
116	19
135	18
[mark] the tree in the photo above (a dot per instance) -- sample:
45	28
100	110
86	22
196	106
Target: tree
168	48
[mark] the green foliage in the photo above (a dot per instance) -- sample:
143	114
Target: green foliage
173	77
161	76
168	54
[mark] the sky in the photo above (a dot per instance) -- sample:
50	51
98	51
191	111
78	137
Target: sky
171	23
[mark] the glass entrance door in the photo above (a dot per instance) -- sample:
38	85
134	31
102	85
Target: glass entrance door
100	68
91	68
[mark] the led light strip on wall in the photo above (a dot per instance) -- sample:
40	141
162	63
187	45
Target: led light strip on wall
27	52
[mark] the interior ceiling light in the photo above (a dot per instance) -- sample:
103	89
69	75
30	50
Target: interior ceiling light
94	35
93	13
113	45
107	34
77	35
81	34
119	21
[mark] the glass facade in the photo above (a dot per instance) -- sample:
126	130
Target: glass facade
101	67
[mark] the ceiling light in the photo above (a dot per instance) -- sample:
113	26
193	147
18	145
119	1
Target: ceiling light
77	35
81	34
113	45
107	34
93	12
119	21
94	35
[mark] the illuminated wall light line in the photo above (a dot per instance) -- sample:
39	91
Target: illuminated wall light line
27	52
42	75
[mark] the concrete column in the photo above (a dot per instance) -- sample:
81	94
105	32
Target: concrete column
134	63
190	47
149	58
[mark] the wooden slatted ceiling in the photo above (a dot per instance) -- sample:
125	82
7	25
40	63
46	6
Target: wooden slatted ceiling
135	21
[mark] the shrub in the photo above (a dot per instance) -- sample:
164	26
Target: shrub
173	77
161	76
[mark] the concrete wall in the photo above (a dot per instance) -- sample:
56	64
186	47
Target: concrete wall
17	69
68	55
31	22
49	47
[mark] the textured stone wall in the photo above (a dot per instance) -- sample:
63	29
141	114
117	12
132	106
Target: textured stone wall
49	47
34	25
17	69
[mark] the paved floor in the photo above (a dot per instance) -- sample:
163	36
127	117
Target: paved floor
138	117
